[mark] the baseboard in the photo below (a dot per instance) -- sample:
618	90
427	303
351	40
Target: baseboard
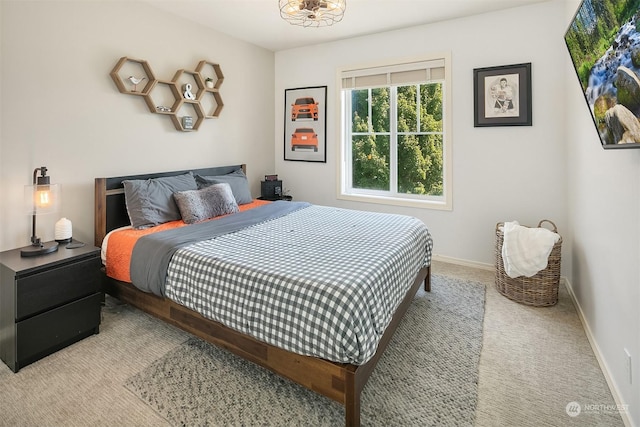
463	262
596	351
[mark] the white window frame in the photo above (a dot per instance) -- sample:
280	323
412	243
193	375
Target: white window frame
344	190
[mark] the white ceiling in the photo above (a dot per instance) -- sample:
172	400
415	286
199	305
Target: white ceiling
259	22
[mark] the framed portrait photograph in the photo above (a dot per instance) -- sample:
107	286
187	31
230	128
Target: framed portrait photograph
502	95
305	124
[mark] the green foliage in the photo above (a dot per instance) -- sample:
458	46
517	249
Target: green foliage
583	74
419	144
370	162
380	110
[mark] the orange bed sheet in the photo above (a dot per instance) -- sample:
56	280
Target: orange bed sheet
121	242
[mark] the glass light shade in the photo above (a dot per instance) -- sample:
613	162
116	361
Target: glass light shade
312	13
41	199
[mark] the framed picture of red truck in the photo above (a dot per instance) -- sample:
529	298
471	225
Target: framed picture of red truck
305	124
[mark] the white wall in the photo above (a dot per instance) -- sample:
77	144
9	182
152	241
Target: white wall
604	219
499	173
61	109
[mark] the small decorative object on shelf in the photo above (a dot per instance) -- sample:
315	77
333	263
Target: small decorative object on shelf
209	82
187	92
163	109
187	122
136	81
271	177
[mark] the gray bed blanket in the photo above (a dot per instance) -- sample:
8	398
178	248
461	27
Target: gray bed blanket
321	281
152	253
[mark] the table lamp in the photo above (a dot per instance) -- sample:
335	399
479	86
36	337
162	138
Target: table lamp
42	197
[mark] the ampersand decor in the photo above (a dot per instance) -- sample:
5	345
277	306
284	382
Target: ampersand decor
187	92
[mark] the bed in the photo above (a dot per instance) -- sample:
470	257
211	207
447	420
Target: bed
337	374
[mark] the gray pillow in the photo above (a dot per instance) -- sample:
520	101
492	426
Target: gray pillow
150	201
236	179
209	202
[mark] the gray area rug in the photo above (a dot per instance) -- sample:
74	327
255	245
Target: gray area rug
427	376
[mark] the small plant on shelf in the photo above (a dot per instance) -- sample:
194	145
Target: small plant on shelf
209	82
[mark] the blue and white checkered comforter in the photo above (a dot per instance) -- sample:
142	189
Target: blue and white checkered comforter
319	281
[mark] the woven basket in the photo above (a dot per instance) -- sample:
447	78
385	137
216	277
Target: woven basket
540	290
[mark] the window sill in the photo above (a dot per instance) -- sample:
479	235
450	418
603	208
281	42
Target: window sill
396	201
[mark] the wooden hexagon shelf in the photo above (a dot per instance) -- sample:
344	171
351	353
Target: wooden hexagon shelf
171	94
186	77
206	67
211	104
186	105
205	102
130	69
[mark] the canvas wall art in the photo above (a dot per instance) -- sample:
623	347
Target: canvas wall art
604	44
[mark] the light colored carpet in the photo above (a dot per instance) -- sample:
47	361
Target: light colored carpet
427	376
534	361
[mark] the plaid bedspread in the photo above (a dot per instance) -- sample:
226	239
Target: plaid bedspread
320	281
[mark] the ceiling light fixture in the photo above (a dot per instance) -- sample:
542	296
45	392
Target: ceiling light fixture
312	13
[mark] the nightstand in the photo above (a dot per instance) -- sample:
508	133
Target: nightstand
47	302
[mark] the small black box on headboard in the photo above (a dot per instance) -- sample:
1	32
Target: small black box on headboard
271	190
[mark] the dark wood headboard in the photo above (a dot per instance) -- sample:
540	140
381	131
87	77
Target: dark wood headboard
110	207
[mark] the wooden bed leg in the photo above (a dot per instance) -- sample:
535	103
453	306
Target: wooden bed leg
352	404
427	280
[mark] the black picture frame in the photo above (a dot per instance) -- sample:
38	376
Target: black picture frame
305	124
502	95
600	41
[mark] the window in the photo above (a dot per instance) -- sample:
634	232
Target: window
395	134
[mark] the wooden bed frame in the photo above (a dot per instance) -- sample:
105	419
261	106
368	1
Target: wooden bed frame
338	381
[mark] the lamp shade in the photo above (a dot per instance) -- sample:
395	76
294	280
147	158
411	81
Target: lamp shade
41	198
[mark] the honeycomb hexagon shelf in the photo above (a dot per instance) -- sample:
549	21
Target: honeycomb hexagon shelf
206	102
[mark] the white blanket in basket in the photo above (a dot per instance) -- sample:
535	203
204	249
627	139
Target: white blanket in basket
525	250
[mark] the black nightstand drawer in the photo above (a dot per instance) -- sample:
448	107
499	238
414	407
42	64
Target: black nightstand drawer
47	302
48	332
57	286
